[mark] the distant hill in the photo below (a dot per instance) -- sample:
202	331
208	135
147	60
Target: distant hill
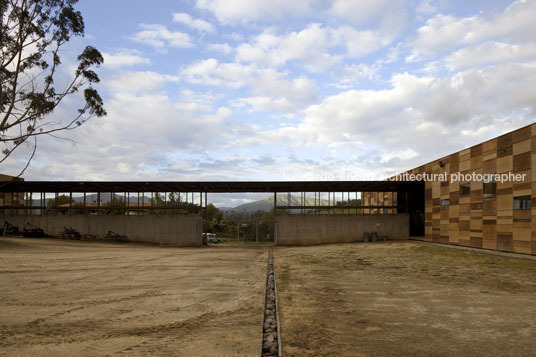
91	198
267	203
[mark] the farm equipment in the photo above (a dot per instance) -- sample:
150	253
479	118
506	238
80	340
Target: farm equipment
114	237
70	233
9	229
30	230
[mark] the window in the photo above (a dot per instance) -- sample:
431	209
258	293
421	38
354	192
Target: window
522	203
445	202
490	189
465	189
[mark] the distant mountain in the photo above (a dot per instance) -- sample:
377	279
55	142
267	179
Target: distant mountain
91	198
267	203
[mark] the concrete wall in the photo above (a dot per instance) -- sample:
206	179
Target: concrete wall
319	229
175	230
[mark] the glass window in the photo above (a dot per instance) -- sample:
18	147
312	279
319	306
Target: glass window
465	189
490	189
522	203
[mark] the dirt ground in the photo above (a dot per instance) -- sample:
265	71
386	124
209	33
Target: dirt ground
60	298
404	299
65	298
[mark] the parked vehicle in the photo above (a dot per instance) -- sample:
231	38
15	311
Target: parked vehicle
211	238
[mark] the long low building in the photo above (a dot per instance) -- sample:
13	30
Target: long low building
481	197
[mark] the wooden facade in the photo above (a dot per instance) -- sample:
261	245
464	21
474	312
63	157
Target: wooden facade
497	216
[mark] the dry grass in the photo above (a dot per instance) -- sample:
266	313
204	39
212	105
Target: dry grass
386	299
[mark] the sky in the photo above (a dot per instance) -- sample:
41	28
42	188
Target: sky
201	90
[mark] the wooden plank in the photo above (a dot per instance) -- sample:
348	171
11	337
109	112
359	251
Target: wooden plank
476	151
475	224
489	166
454	198
465	209
489	146
533	165
464	225
522	162
522	247
454	237
505	203
504	145
505	164
454	161
523	146
489	208
476	242
521	134
505	242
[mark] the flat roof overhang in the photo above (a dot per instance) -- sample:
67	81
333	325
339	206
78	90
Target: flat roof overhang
211	186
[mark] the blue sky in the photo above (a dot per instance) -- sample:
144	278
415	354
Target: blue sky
292	90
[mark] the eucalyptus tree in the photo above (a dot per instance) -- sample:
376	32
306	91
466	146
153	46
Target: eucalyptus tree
33	81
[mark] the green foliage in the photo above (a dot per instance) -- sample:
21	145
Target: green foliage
115	206
251	224
351	203
32	35
172	204
76	207
62	199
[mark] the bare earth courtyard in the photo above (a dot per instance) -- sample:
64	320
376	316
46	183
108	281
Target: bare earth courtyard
364	299
78	298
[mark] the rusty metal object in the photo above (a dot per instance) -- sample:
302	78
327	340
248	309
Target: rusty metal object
114	237
30	230
89	237
9	229
70	233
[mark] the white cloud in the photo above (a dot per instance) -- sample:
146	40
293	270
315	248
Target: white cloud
444	32
266	85
360	43
197	24
426	7
239	11
123	168
224	48
427	113
143	136
491	53
218	119
316	46
354	73
160	37
195	101
363	12
123	58
134	82
400	154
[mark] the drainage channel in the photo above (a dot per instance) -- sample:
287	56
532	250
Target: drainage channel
271	338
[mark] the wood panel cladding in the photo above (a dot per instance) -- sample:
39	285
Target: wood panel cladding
491	222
